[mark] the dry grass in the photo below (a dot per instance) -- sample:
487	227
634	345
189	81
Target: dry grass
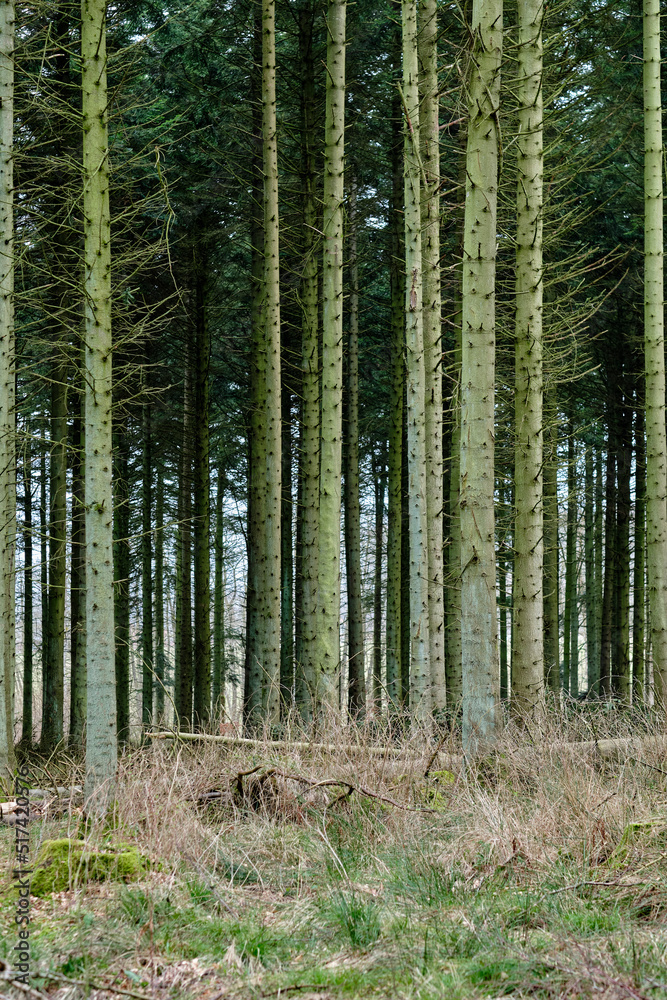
536	871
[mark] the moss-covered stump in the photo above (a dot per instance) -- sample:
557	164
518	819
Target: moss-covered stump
63	864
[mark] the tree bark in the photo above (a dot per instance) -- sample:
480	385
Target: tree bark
78	688
550	571
527	596
656	442
286	556
184	661
332	363
27	721
355	613
270	604
146	569
101	743
380	481
478	580
638	582
159	600
570	611
432	325
420	668
202	488
219	672
121	530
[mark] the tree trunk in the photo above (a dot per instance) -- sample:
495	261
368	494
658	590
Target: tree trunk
286	556
570	612
7	396
527	596
121	530
380	481
146	570
184	662
78	691
656	443
638	585
44	560
101	744
621	671
592	654
355	612
550	571
432	327
270	604
395	447
202	489
27	723
252	701
481	669
420	670
159	601
52	718
219	603
332	362
309	431
609	568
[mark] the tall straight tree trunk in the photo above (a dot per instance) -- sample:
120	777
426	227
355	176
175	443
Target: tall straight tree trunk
432	326
270	617
146	569
406	636
527	596
52	719
609	568
478	581
621	672
654	350
503	597
453	589
202	488
159	600
380	481
570	679
355	612
332	361
309	430
420	669
101	744
184	661
286	554
638	584
44	561
252	700
7	394
121	530
219	602
395	446
78	688
550	570
26	728
592	655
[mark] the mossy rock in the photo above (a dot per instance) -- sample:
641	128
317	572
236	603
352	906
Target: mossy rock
62	864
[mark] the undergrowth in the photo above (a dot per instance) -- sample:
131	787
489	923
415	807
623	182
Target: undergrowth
538	871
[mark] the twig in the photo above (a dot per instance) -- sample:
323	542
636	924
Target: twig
28	990
435	754
202	871
96	986
615	885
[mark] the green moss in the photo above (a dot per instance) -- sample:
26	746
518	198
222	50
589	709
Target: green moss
61	864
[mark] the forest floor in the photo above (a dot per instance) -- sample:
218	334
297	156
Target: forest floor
540	873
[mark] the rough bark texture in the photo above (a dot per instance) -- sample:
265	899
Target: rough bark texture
527	597
332	362
183	681
286	554
478	579
395	448
355	612
202	562
420	670
570	610
78	688
159	600
270	604
121	549
7	393
219	603
656	442
309	430
550	570
101	720
26	725
146	570
638	583
432	308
